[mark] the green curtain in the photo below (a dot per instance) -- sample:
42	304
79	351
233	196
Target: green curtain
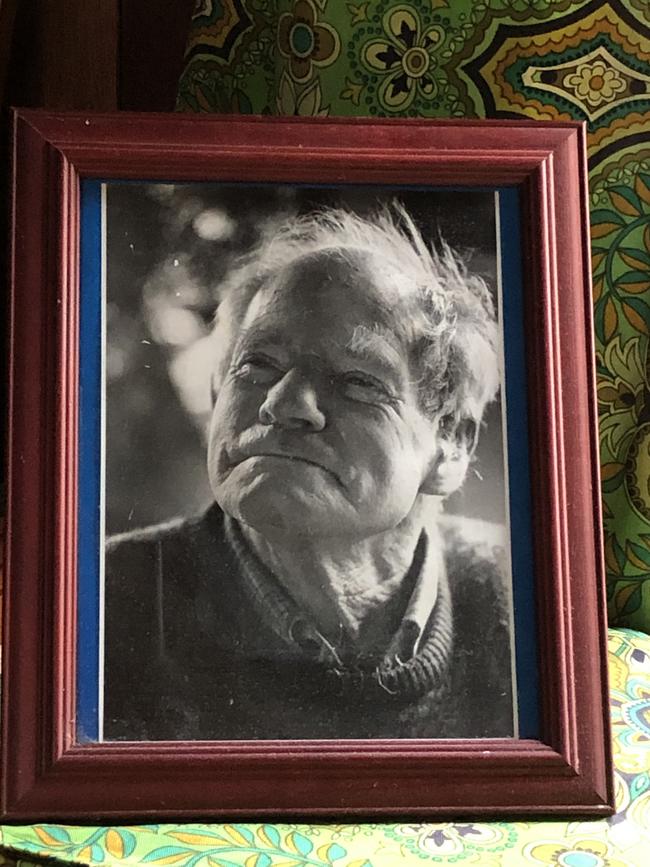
541	59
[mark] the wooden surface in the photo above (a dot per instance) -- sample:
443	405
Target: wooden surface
151	49
7	19
65	55
72	54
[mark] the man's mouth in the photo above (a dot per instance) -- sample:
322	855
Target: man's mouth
291	458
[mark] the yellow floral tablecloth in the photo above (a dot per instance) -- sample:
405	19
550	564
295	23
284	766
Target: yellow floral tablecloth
620	841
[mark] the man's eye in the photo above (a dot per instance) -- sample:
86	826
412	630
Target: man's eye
360	380
258	369
361	386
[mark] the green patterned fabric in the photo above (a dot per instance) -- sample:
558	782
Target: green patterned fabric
620	841
542	59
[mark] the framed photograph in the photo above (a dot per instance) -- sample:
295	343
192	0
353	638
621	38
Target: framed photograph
303	495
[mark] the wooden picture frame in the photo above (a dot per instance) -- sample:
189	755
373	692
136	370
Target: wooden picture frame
48	768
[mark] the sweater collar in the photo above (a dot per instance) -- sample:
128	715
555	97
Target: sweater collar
423	587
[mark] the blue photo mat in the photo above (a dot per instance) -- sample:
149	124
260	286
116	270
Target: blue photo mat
90	542
90	473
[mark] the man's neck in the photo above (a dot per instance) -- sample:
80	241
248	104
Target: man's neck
339	582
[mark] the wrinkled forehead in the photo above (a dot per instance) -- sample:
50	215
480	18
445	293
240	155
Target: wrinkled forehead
332	302
366	291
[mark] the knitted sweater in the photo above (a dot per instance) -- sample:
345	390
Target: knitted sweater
187	656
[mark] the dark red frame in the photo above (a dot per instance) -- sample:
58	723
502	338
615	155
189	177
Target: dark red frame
44	772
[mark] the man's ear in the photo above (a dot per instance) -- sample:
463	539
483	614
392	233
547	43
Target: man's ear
455	449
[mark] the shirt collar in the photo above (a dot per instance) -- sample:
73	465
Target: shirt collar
297	630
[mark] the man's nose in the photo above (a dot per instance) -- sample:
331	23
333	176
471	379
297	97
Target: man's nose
292	403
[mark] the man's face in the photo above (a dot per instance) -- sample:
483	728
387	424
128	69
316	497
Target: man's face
316	429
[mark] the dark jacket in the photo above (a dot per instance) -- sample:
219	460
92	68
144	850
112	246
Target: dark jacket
188	657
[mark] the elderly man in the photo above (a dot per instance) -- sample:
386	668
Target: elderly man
324	594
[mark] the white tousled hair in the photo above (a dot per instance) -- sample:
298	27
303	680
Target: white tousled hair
447	316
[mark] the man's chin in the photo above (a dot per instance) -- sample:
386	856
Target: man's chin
280	512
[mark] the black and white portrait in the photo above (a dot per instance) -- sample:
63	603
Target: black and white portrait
305	493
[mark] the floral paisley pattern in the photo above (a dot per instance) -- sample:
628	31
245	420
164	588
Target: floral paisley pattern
305	41
456	840
620	258
307	102
620	236
622	386
404	57
630	711
229	58
595	82
583	853
230	845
